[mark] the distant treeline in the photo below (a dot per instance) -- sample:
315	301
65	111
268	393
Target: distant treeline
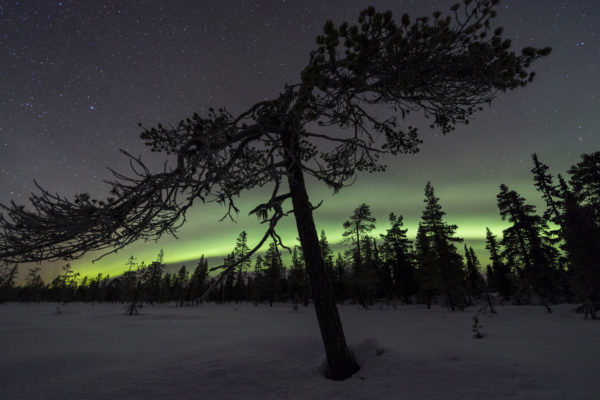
546	259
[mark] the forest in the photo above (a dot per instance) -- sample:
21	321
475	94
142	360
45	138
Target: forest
544	258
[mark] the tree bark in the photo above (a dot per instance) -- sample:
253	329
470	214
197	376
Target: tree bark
339	359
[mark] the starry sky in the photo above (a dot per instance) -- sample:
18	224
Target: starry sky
76	77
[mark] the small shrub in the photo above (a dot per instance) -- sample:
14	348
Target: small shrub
475	328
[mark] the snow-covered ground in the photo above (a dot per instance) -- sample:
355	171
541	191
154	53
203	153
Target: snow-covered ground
246	352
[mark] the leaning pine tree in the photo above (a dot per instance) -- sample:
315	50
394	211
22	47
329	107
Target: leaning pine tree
448	67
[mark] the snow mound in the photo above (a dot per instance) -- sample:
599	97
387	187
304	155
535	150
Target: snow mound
366	350
362	353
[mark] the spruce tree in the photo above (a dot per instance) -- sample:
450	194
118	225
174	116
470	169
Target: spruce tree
327	255
384	281
180	285
585	181
33	284
366	275
165	291
241	251
527	244
96	294
500	278
297	279
273	273
152	277
447	263
129	279
259	281
7	281
227	285
582	238
131	286
361	222
428	277
198	280
82	290
396	250
478	281
343	278
550	193
65	284
475	285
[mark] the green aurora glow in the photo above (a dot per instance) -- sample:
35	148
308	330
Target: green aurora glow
204	234
66	110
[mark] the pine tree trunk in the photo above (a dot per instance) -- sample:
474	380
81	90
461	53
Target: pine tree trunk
341	363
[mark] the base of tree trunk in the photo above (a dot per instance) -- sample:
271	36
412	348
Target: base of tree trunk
339	358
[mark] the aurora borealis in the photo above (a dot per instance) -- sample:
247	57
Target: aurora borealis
77	77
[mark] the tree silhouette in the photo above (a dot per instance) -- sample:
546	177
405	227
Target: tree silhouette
199	280
181	281
475	285
550	192
361	222
443	261
33	284
446	67
356	228
240	251
297	284
581	236
327	255
258	283
7	280
273	273
585	180
526	242
499	277
397	251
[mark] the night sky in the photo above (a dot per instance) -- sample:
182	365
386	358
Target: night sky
77	77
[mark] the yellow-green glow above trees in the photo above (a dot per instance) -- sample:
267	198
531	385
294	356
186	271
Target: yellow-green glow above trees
66	139
204	234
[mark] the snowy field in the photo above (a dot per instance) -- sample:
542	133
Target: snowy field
222	352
